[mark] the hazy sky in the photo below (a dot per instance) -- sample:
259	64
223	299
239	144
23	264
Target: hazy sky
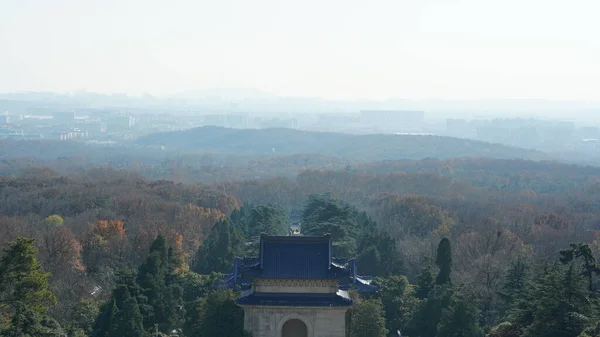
453	49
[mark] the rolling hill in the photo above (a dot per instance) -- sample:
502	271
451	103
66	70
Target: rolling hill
280	142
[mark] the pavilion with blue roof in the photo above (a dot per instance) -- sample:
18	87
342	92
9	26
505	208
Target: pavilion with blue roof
295	287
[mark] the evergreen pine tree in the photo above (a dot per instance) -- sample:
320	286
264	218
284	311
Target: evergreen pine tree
217	252
164	296
460	320
425	282
368	319
429	313
22	279
588	265
104	321
324	215
515	286
521	313
443	260
128	320
591	331
267	219
561	307
377	252
240	217
27	322
369	260
399	302
24	290
126	287
24	323
217	315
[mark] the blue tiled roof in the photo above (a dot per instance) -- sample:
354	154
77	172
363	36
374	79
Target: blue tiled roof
339	299
229	282
362	284
298	257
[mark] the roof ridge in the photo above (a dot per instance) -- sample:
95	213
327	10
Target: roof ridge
298	238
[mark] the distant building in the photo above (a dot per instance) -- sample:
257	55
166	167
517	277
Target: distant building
64	116
36	117
236	121
457	126
289	123
24	135
118	123
239	121
335	119
296	288
75	134
396	120
215	120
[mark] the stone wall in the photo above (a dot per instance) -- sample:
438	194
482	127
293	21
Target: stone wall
320	321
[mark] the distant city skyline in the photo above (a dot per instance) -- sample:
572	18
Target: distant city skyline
429	49
235	101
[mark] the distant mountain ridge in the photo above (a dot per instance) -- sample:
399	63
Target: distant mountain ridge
356	147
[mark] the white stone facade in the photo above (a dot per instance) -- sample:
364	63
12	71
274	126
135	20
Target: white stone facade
319	321
268	321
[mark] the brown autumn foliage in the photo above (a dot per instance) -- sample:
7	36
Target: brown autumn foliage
60	249
409	214
493	211
90	224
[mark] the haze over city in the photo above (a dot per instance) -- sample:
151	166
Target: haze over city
350	50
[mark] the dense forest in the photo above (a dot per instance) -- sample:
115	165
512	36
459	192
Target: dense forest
456	246
363	147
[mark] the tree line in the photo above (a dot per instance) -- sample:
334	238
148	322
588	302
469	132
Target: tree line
88	226
166	293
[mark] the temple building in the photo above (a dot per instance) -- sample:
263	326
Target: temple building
296	288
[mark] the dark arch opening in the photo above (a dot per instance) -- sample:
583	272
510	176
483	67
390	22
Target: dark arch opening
294	328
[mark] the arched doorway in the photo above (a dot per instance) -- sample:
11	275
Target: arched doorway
294	328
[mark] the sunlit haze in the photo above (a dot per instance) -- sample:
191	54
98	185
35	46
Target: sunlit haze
451	49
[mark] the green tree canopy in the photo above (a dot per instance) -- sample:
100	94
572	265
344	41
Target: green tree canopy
460	319
368	319
24	290
515	285
428	315
54	221
128	320
377	253
140	301
425	282
560	305
399	302
272	220
443	260
325	215
582	251
163	294
217	315
224	243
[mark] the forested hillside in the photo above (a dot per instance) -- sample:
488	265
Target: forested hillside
93	230
351	147
122	241
68	158
513	174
